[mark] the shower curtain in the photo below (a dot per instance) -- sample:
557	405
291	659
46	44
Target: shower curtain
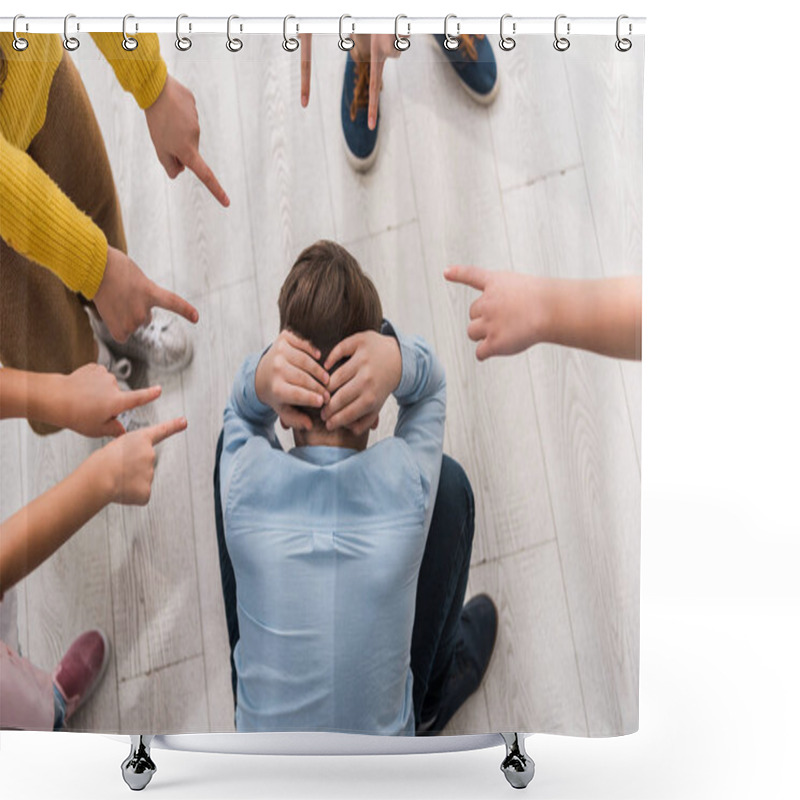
539	176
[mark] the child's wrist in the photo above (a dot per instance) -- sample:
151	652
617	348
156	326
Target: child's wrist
53	402
543	310
100	474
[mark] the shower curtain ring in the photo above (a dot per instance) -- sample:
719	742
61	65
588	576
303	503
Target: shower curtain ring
451	42
507	42
561	43
345	42
404	42
71	43
19	44
290	44
128	42
623	44
183	43
233	44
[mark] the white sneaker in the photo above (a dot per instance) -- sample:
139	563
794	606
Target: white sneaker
163	344
120	368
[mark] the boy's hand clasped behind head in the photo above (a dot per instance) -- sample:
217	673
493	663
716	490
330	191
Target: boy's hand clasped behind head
360	387
288	376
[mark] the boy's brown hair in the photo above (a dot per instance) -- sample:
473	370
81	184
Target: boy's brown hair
327	297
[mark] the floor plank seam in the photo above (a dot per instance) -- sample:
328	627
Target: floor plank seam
527	548
397	226
161	668
546	176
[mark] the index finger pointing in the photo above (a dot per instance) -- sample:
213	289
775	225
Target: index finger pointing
475	277
378	59
305	68
197	165
163	298
163	430
128	400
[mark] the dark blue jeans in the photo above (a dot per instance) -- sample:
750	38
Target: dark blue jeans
440	590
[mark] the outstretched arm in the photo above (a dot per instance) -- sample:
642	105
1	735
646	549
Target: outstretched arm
516	311
87	401
168	105
120	472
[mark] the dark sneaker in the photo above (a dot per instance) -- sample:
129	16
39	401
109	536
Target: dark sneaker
79	672
477	635
475	64
361	144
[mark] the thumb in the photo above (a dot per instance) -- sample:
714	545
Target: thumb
113	428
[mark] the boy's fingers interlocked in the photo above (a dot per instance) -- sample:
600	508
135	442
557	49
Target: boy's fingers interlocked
343	375
343	349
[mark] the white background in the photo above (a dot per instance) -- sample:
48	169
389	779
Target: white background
720	523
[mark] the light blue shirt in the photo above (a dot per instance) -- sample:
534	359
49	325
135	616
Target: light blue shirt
326	545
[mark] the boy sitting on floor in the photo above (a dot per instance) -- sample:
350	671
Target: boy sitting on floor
327	541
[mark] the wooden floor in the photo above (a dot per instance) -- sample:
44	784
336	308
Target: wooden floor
547	181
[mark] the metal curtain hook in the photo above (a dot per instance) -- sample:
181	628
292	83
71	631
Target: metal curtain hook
290	44
19	43
345	42
404	42
234	45
451	42
183	43
128	42
70	42
561	43
623	44
507	42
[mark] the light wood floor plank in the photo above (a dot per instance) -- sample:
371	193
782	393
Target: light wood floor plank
288	194
490	405
590	453
534	94
169	700
154	570
606	91
230	333
532	682
382	198
210	245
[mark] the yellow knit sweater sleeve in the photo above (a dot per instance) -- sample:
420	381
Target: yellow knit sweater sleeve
142	71
40	222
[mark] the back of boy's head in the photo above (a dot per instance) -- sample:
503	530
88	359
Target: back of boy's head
327	297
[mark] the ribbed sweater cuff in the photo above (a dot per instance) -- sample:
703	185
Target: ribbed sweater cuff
152	82
90	249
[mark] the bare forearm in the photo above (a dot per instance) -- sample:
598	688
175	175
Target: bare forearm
31	395
604	316
36	531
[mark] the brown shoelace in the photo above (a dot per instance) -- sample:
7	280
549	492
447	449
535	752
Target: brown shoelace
469	44
361	92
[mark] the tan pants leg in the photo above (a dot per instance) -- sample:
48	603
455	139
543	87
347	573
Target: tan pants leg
43	325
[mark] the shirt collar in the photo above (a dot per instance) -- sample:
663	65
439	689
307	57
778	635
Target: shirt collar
322	455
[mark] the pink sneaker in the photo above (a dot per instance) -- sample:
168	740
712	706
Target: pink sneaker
79	672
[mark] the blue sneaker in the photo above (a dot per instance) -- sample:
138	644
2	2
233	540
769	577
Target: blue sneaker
361	144
475	64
